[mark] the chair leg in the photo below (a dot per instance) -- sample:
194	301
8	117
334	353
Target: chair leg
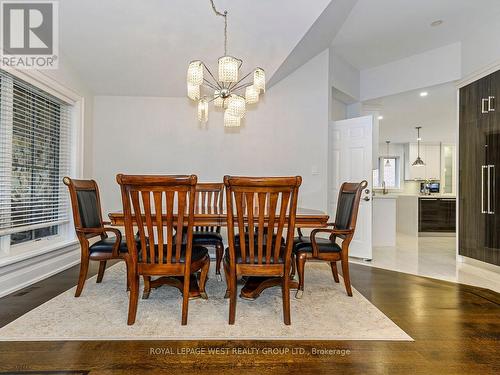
335	271
345	275
128	267
294	268
133	298
185	298
228	280
102	268
232	297
301	262
219	252
203	278
84	267
286	299
147	287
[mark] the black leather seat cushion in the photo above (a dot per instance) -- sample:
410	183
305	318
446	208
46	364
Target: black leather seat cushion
255	239
197	253
303	244
206	238
203	238
106	245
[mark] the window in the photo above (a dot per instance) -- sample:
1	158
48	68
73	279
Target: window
389	172
34	138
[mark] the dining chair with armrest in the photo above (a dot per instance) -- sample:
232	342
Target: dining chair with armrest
261	208
87	218
161	206
328	250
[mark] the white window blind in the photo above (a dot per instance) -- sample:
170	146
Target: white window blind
34	157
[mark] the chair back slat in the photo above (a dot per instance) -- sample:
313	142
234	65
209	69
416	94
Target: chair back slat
238	196
143	207
181	199
269	205
158	198
250	228
170	195
209	199
134	196
261	209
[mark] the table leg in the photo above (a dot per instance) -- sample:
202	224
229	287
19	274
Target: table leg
255	285
176	282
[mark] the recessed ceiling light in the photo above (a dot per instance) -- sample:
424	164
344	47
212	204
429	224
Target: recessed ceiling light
436	23
380	117
424	93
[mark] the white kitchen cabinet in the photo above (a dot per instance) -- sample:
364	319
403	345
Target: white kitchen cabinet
430	153
432	162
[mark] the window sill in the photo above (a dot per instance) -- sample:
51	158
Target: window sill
33	249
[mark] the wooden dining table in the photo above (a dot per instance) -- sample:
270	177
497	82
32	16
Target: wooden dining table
216	216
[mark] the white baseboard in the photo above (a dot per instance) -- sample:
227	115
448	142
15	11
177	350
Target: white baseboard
18	275
479	264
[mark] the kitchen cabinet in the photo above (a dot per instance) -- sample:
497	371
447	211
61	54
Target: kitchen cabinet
448	168
436	215
430	154
479	160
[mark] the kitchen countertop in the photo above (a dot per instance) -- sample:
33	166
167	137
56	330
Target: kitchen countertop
450	196
395	196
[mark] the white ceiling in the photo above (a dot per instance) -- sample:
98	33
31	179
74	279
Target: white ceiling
379	31
435	113
132	47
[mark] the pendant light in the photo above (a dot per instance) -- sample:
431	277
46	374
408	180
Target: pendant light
387	162
418	162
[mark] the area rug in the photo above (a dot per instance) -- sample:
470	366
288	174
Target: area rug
324	313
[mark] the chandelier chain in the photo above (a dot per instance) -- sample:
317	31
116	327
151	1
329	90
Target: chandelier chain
225	24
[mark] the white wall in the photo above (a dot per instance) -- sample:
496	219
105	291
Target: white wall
481	48
430	68
343	76
339	110
284	134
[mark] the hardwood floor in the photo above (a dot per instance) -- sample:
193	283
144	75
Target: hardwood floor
456	329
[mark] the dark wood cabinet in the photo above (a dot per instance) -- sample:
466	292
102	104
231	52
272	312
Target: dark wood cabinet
437	215
479	160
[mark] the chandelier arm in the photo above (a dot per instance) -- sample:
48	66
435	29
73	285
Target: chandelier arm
211	75
244	85
232	86
215	97
209	84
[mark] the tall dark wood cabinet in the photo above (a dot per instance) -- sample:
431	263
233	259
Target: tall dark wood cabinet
479	175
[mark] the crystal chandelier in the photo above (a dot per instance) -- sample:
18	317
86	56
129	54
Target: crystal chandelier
227	91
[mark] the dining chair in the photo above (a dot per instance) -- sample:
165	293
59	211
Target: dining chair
87	219
262	208
210	199
160	206
329	250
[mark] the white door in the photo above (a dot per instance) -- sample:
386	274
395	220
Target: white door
350	159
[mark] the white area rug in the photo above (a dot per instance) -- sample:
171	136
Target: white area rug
324	313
